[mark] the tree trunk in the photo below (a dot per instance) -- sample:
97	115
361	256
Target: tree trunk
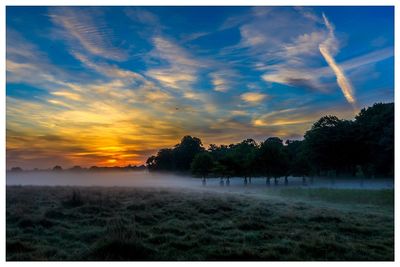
204	181
245	181
228	182
304	180
286	180
275	181
268	181
249	180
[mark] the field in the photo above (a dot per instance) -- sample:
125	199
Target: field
98	223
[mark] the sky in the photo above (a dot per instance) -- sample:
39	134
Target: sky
109	86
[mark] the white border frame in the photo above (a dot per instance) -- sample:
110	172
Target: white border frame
184	3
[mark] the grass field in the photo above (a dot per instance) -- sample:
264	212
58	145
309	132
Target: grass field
93	223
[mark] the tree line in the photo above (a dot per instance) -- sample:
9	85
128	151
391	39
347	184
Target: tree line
363	146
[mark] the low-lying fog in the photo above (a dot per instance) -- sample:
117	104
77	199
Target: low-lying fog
146	179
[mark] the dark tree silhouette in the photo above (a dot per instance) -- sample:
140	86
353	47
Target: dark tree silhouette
331	147
76	168
57	168
202	165
164	161
185	152
375	128
244	154
299	165
271	159
16	169
178	158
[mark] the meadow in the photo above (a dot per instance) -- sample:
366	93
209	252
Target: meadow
117	223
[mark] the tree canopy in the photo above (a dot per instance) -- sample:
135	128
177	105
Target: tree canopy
333	146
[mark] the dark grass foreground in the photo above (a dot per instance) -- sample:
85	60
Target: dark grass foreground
65	223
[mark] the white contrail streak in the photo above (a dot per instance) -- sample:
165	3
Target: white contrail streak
341	78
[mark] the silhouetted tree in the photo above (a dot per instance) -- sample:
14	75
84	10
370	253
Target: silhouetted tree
16	169
375	129
177	159
185	152
297	158
76	168
271	158
202	165
57	168
165	160
244	153
332	145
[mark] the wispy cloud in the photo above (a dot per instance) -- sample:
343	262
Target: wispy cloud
284	50
92	34
325	49
224	80
69	95
181	68
143	16
27	63
366	59
111	71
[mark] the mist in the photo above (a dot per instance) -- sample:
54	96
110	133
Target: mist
147	179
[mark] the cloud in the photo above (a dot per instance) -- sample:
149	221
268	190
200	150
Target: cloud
224	80
291	55
220	84
293	122
253	98
308	13
58	102
304	78
82	25
180	69
366	59
26	63
283	50
94	127
111	71
325	49
69	95
170	78
141	15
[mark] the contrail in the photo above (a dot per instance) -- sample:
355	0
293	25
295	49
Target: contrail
341	78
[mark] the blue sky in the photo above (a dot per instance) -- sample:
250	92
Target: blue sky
111	85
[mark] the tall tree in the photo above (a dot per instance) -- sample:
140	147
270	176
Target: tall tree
185	151
375	126
299	165
244	154
271	158
164	161
202	165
